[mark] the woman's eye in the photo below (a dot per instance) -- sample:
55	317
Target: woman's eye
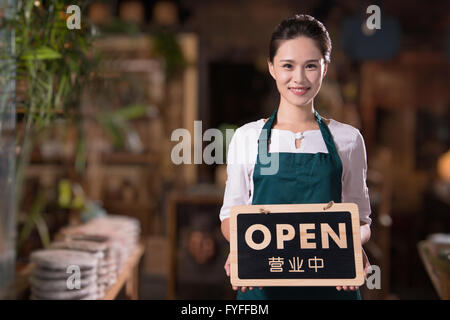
287	65
311	66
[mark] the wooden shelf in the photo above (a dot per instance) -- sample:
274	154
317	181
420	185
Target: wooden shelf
128	278
125	158
22	110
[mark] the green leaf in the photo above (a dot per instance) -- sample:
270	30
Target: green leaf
113	130
37	207
78	202
42	229
65	193
42	53
131	112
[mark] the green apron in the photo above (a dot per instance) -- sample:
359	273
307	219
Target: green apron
301	178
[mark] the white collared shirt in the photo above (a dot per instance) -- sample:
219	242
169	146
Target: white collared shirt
242	152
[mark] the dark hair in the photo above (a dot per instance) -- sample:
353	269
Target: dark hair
297	26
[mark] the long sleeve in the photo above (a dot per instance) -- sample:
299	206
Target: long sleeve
237	188
354	187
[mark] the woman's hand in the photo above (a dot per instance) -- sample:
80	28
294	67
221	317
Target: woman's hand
225	226
227	270
366	265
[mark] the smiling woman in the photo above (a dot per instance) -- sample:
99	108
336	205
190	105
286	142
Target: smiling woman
329	165
299	54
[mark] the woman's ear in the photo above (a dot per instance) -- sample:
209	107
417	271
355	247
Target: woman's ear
271	69
325	68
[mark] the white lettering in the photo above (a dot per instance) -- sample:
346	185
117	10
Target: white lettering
216	146
246	309
198	310
184	146
374	280
374	21
74	280
73	21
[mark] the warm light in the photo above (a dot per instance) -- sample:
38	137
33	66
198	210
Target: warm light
37	3
366	31
443	166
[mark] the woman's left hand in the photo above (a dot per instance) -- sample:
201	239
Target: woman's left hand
366	265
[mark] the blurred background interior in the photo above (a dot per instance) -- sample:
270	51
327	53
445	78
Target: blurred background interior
86	131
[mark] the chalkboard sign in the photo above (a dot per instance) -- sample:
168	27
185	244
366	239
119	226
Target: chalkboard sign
296	245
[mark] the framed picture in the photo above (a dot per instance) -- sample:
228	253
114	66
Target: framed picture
198	250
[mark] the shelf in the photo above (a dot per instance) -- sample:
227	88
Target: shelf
22	110
128	278
116	158
126	158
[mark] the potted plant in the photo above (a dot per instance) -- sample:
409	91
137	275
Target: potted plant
50	66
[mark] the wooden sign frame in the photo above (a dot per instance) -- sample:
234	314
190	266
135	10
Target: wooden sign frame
358	280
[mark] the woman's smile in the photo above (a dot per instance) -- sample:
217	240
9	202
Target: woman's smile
299	91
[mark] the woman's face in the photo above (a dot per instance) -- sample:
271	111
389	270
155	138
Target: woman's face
298	69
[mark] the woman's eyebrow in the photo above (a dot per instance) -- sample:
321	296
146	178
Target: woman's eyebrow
307	61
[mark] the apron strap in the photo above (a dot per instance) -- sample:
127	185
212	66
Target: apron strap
264	136
268	127
326	135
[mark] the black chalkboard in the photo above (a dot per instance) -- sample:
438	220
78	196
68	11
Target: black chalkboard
296	247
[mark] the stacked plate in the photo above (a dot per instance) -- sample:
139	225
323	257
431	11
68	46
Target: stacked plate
119	233
99	251
123	232
99	248
64	275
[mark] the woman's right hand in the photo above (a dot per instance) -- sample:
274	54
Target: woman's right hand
227	270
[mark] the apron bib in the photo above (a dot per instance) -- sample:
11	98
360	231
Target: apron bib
301	178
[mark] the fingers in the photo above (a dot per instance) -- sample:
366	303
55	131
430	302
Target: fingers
350	288
227	271
347	288
366	263
243	289
227	266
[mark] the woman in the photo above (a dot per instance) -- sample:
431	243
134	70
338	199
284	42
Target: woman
317	160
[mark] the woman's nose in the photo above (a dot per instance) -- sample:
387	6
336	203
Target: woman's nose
299	76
